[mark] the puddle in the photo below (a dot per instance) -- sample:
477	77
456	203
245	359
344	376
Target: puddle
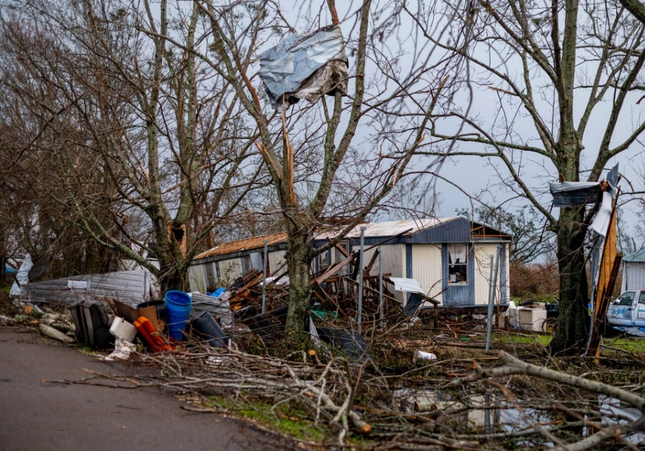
485	414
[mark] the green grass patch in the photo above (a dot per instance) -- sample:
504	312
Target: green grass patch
542	339
287	418
635	345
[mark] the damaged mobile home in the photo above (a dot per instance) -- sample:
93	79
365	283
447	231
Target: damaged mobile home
449	257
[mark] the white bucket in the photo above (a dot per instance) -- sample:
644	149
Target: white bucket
123	329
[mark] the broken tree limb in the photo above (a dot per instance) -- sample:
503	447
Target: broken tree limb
55	334
586	384
516	366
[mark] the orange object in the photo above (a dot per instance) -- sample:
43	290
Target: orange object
156	340
142	330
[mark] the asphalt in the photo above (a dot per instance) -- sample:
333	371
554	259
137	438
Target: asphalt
39	415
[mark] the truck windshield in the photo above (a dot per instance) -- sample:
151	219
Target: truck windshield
626	298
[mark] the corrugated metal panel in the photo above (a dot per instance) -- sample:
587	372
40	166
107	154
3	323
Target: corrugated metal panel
128	286
638	257
243	245
633	276
426	268
456	230
196	279
389	228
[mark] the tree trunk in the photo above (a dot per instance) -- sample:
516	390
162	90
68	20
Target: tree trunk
572	328
299	263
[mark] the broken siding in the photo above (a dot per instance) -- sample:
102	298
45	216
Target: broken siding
426	268
127	286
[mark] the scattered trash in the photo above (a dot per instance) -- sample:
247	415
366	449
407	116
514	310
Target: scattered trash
422	355
206	326
351	342
122	329
218	307
122	349
178	305
150	335
91	323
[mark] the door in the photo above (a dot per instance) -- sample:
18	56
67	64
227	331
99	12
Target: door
620	311
640	309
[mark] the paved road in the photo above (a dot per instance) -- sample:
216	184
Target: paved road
37	416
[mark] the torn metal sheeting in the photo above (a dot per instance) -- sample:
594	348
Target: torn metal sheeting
570	194
217	307
305	66
407	285
602	218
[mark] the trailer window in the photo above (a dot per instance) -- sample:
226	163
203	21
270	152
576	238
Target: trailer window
457	263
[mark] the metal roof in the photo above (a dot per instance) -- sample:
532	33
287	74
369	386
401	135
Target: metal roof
256	242
638	257
439	230
389	228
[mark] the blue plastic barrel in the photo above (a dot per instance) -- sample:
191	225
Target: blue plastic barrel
178	305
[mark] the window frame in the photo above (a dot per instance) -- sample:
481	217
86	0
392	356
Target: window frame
458	268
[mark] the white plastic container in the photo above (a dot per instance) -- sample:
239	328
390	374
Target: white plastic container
422	355
123	329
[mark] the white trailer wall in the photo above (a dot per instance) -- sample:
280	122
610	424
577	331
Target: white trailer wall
426	268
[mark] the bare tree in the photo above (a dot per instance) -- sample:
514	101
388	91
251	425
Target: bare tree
144	142
555	77
332	162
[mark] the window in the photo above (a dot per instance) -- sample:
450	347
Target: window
641	298
626	298
340	255
457	263
323	260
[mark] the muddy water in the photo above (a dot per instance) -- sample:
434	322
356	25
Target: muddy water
485	414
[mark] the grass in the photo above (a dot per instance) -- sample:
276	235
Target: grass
542	339
634	345
286	418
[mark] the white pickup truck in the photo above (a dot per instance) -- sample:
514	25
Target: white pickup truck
628	310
